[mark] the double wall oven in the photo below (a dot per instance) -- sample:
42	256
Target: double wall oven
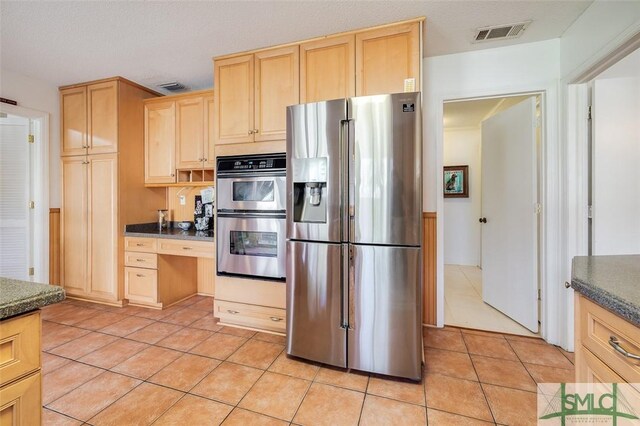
251	216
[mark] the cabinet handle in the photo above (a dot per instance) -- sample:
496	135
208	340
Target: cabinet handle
276	319
139	275
140	244
139	260
186	248
615	344
232	312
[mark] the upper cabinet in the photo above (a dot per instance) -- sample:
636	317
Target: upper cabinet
90	119
327	69
178	139
252	94
386	57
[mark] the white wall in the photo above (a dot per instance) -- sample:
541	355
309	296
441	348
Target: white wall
461	226
42	96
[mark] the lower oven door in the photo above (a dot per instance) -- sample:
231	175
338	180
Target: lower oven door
251	245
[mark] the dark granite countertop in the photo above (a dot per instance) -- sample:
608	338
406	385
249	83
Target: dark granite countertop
612	282
18	297
151	230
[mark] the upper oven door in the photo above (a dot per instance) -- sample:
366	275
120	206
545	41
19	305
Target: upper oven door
242	192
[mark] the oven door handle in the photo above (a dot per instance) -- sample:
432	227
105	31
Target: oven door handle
251	175
252	214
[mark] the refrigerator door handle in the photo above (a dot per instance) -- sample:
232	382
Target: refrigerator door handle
352	178
344	321
351	289
344	178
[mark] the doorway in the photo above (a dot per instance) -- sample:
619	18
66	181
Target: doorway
491	250
24	203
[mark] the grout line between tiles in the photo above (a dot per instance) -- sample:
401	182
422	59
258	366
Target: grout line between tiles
479	382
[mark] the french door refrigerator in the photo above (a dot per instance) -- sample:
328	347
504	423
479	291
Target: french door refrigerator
354	256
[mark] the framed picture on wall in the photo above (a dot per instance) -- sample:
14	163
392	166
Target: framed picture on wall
456	182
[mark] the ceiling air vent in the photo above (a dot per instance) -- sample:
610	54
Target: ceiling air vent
500	32
173	86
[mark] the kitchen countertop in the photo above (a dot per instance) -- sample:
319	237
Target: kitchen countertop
18	297
151	230
612	282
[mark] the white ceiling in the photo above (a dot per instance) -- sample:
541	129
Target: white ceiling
470	114
152	42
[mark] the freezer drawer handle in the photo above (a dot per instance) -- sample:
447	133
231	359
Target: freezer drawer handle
615	344
276	319
232	312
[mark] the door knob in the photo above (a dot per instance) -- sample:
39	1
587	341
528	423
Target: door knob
482	220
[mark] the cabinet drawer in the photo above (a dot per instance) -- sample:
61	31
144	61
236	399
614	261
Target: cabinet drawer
19	346
186	248
141	285
141	260
598	326
21	402
148	245
260	317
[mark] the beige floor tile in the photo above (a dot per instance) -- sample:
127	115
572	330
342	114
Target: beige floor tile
207	322
459	396
502	372
271	338
276	395
51	418
126	326
257	354
449	363
147	362
93	396
354	380
228	383
50	312
329	405
75	316
189	301
184	339
206	304
540	354
219	346
545	374
383	411
155	332
511	406
240	417
52	362
515	338
185	372
240	332
185	317
65	379
54	335
157	314
444	339
440	418
294	367
494	347
141	406
571	356
100	320
398	389
83	345
114	353
195	411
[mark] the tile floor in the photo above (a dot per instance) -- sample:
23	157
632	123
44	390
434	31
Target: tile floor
134	366
464	306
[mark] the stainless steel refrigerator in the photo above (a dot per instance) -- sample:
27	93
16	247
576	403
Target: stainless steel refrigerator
354	256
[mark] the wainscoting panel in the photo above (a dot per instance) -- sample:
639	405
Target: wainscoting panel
54	246
429	248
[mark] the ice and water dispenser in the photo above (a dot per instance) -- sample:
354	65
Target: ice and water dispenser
310	190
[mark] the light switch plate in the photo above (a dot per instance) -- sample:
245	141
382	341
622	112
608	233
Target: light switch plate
183	200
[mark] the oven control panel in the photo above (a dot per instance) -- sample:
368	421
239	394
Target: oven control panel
252	163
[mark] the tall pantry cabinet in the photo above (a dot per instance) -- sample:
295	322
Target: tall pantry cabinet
103	188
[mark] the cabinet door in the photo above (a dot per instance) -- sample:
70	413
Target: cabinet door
234	100
159	142
73	108
189	133
103	226
386	57
21	402
141	285
327	69
209	137
102	129
277	75
74	220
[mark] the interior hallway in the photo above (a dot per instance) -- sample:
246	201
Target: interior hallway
464	306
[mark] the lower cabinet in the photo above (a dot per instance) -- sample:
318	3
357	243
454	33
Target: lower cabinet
252	316
141	285
21	402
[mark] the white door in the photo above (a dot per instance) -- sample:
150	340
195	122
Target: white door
509	197
15	191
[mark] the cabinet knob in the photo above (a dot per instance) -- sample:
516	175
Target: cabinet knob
276	319
250	132
255	130
173	174
204	159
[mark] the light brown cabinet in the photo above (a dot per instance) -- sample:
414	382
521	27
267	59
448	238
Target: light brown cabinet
178	137
89	119
253	92
101	192
327	69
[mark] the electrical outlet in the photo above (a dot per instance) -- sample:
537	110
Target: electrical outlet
183	200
